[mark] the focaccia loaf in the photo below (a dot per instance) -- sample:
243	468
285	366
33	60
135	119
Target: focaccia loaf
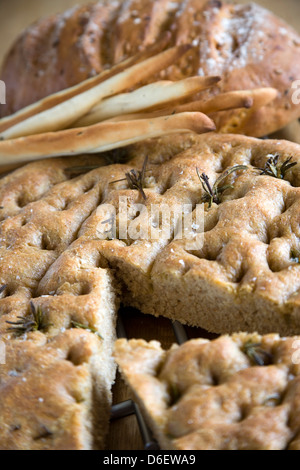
60	257
245	274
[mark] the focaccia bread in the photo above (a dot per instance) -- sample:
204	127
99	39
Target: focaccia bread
245	274
237	392
246	45
64	267
55	384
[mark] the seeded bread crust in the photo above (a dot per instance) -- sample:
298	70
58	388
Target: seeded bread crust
209	395
246	45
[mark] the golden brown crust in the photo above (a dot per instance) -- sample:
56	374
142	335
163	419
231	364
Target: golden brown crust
99	137
245	44
245	266
46	392
56	252
211	395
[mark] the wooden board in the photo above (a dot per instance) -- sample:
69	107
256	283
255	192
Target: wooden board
16	15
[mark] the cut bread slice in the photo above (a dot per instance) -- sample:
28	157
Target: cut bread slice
237	392
55	394
55	384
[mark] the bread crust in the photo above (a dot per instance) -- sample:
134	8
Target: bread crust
211	395
245	44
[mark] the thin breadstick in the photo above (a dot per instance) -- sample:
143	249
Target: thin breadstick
232	100
64	114
98	138
262	97
253	99
61	96
148	97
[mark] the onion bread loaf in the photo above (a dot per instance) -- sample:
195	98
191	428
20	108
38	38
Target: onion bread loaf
232	393
246	45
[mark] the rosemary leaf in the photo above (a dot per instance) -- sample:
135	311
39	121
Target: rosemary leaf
34	322
257	355
275	169
85	327
136	179
2	288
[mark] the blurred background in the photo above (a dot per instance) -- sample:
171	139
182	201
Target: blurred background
18	14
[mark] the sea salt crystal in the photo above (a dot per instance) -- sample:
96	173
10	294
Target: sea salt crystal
41	400
137	20
172	5
283	31
182	262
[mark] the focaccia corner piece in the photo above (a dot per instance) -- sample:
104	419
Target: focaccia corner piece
52	397
237	392
57	370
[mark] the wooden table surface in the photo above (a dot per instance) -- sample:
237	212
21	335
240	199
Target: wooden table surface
16	15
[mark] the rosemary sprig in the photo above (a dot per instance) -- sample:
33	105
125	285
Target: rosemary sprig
214	193
275	169
257	354
136	179
35	322
85	327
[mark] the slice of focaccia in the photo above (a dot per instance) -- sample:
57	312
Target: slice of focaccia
237	392
55	382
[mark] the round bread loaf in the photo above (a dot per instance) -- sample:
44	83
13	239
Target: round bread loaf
245	44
